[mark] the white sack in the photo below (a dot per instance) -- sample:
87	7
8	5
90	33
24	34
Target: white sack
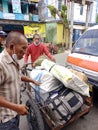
69	79
48	81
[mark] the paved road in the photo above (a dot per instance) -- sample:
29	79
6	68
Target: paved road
89	122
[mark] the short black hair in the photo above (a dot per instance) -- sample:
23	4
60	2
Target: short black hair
36	35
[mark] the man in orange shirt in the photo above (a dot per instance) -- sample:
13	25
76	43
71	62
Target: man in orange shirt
37	49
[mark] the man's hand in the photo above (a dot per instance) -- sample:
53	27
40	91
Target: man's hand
53	59
22	109
36	82
28	79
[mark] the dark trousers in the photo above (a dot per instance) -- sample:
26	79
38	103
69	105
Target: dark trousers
12	124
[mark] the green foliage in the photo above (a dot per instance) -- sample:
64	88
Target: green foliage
53	10
97	19
62	14
64	8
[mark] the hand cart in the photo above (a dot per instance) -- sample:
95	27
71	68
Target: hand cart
39	112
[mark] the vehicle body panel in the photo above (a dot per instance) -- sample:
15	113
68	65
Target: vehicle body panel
84	54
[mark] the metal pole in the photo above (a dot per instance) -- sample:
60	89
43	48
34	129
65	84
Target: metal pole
87	16
71	25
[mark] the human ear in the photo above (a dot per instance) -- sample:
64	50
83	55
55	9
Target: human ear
11	47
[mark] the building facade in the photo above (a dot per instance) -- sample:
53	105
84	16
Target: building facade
14	14
83	12
82	15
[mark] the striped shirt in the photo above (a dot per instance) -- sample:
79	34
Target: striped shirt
10	82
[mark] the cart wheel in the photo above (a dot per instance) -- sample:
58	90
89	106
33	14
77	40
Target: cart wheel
34	117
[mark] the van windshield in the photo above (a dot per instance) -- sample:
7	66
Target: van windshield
87	44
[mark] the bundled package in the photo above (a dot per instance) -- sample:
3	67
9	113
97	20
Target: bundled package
48	83
67	77
47	80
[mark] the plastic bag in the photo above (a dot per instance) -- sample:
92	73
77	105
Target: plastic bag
69	79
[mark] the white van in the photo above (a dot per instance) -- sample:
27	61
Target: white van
84	54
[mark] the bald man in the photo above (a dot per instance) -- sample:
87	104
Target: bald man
10	81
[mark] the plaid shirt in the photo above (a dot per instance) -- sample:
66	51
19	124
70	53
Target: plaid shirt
10	82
